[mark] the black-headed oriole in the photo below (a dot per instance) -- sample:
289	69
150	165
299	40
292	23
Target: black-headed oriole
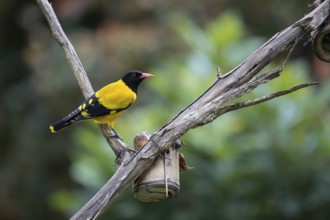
107	104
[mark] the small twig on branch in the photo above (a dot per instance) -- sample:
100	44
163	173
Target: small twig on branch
256	101
249	86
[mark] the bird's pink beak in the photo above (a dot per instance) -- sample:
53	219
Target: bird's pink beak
146	75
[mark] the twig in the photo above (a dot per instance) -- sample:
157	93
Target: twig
256	101
249	86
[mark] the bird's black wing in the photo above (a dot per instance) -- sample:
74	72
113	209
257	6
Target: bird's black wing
92	108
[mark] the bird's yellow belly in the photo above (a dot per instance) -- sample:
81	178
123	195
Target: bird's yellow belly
108	119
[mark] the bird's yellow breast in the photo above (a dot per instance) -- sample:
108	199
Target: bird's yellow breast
116	97
108	119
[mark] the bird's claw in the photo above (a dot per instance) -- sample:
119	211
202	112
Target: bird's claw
116	135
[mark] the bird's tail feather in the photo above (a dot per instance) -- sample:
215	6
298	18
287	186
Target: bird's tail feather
73	117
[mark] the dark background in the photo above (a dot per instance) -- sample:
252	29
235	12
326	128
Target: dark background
266	162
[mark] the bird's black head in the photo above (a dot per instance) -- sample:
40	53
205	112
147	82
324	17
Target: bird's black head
133	79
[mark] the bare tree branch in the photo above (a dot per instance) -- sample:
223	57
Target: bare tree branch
246	88
205	109
262	99
69	51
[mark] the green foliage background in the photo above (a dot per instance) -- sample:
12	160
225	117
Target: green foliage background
265	162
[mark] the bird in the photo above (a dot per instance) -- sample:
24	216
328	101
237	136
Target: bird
107	104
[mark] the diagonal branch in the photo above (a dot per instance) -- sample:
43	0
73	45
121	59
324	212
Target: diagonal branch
70	53
239	105
205	109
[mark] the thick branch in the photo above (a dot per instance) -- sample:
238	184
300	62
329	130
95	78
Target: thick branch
236	83
273	48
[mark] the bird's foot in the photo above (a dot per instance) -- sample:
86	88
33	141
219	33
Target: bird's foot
116	135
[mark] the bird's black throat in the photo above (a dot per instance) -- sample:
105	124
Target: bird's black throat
132	80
